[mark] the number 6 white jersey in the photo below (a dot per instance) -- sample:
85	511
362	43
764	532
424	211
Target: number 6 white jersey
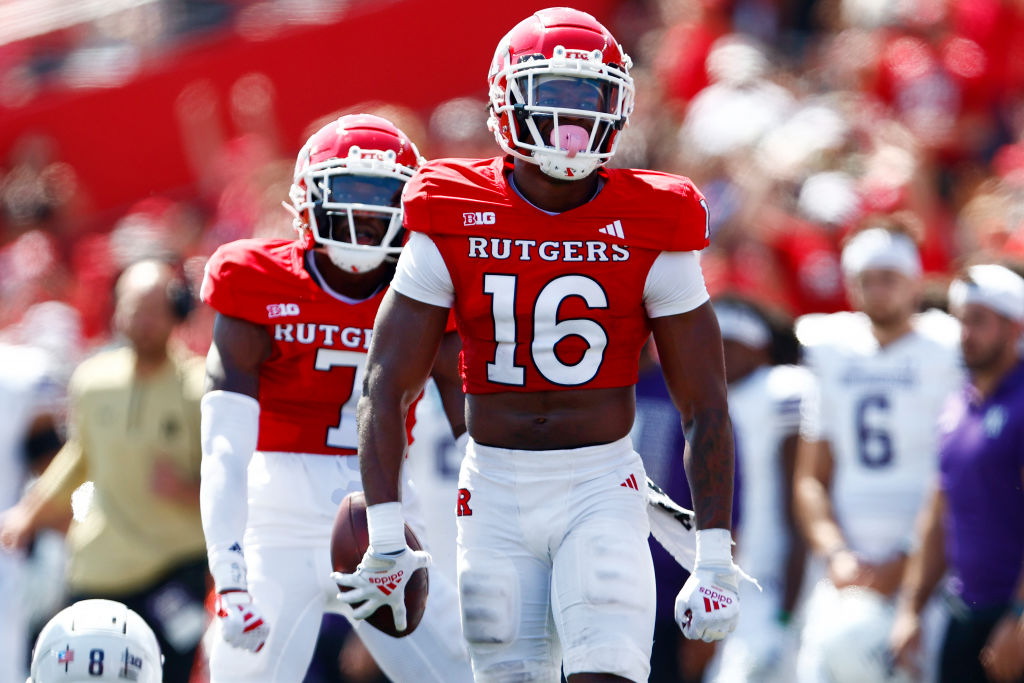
877	407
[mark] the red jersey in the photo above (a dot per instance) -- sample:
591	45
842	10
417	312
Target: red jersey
551	302
312	381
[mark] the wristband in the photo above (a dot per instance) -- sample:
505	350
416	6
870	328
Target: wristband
714	547
1017	608
386	527
229	572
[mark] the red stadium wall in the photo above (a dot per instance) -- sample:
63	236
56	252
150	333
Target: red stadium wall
126	143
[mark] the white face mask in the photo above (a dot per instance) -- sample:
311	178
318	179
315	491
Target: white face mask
355	259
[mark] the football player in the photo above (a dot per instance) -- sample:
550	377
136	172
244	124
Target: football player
558	270
284	374
33	387
868	430
765	394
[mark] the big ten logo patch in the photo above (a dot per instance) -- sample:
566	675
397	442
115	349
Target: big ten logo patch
478	218
281	310
462	509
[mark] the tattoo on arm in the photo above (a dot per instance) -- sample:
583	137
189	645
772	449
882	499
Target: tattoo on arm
709	467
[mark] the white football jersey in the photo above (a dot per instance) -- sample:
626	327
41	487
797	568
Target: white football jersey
29	386
765	409
877	407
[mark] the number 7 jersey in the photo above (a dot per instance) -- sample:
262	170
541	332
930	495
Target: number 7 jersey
310	384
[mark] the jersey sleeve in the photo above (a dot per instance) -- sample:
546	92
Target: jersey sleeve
422	274
244	276
670	211
811	424
675	284
415	212
789	388
693	232
222	269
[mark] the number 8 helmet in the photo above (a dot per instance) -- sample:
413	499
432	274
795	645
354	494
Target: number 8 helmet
96	640
560	92
346	190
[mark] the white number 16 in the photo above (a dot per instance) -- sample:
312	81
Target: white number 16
548	330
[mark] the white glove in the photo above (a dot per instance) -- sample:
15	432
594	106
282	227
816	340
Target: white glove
241	623
708	606
380	579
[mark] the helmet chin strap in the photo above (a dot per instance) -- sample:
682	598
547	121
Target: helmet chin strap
354	261
556	163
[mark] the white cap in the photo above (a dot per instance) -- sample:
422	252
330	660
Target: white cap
742	325
880	248
992	286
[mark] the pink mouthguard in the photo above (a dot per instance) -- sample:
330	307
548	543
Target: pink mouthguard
571	138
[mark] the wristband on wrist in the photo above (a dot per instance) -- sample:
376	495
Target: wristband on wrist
228	572
714	546
386	527
1017	608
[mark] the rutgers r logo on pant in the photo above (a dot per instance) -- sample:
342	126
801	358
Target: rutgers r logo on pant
463	506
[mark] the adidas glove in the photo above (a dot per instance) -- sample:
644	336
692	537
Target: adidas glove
241	624
379	580
708	606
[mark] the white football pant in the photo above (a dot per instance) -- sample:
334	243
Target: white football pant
293	499
554	567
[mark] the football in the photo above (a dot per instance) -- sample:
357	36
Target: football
349	540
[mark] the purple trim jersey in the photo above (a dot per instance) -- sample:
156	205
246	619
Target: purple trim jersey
981	463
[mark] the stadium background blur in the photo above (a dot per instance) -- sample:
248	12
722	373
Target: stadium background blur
168	127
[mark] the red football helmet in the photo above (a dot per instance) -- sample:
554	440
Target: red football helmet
560	92
346	191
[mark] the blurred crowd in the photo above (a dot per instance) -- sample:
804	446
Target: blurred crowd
801	121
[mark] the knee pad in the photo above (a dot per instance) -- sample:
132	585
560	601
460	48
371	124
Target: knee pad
614	568
489	597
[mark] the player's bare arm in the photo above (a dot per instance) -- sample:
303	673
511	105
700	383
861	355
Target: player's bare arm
690	350
812	485
925	568
812	505
796	555
406	338
449	384
238	350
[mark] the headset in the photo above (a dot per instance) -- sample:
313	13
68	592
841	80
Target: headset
180	298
